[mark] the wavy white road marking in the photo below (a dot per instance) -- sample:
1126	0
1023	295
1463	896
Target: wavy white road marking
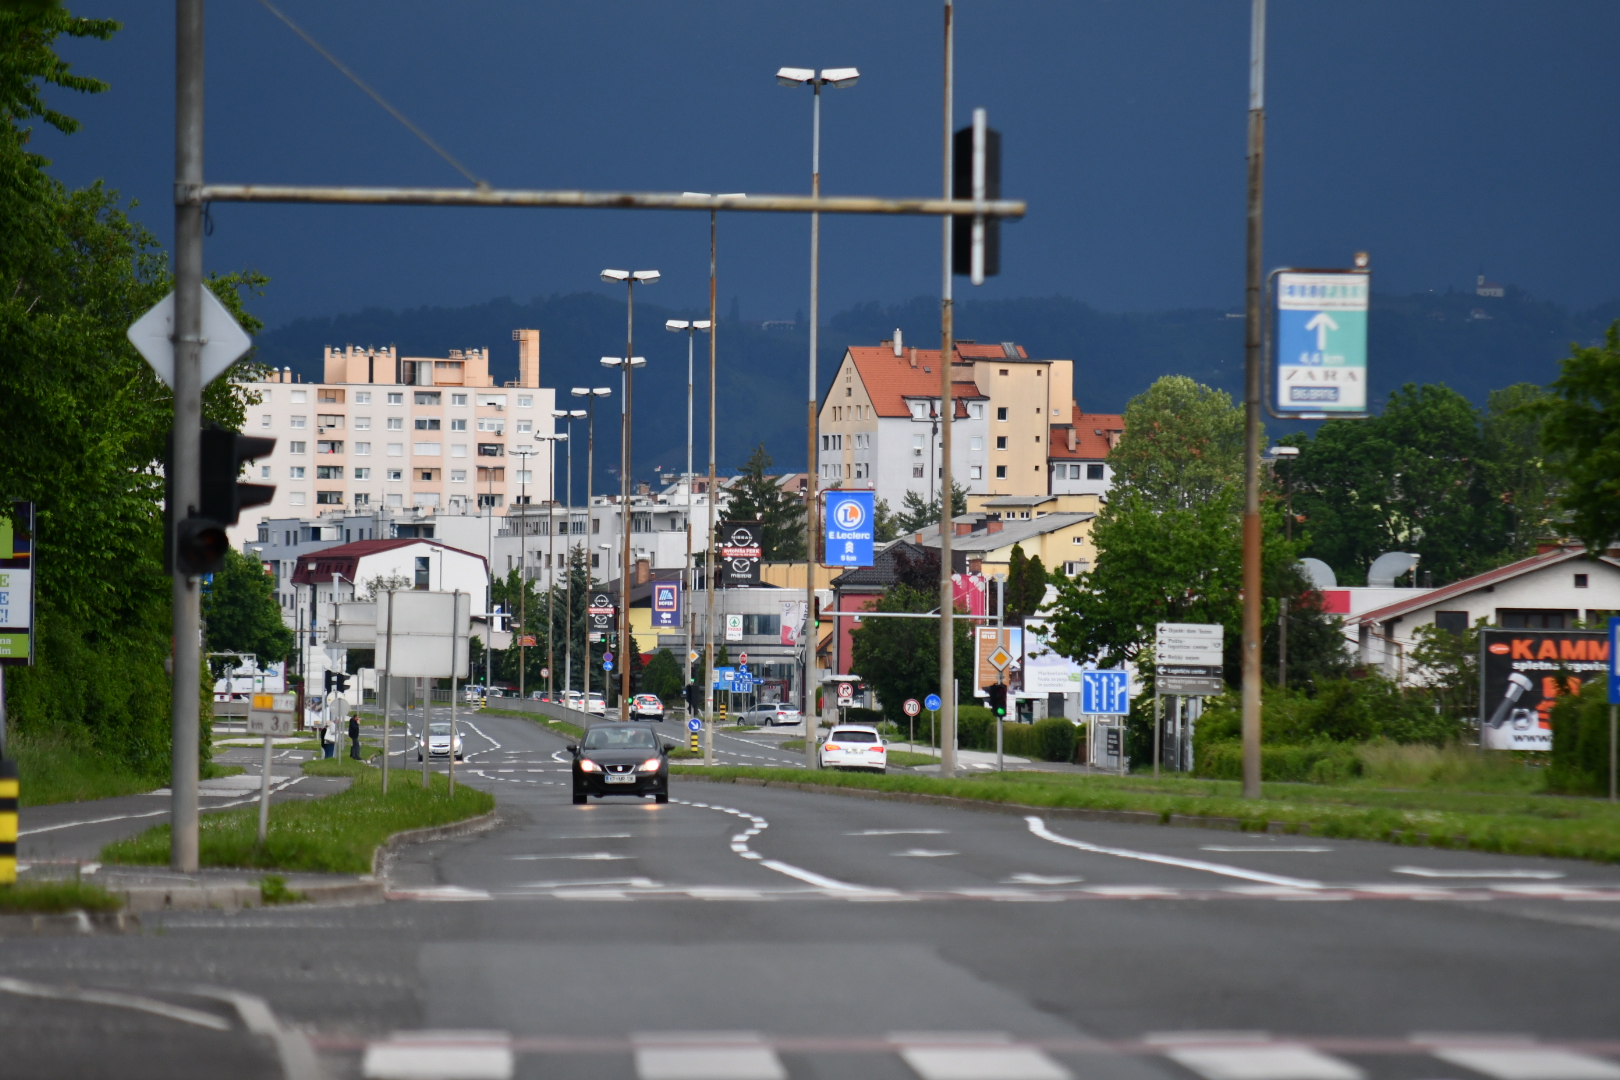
739	844
1038	827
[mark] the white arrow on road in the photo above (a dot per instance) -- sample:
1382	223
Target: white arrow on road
1321	322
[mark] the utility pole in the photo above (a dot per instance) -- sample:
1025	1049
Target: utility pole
1251	405
947	351
187	431
708	560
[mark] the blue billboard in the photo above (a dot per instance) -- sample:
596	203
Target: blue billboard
666	604
849	528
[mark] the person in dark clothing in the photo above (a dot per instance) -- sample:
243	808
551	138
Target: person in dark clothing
354	736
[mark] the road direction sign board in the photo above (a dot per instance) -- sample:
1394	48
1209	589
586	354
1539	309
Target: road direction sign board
1000	658
1196	645
1614	661
932	703
1105	693
912	706
694	724
272	714
224	342
1190	685
1322	343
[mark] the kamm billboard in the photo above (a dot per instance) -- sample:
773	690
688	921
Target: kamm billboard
1522	673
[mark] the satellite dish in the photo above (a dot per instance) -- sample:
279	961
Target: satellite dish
1319	574
1389	566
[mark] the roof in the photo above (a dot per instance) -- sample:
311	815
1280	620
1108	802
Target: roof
890	379
344	558
1431	597
1018	500
881	574
1011	532
1095	434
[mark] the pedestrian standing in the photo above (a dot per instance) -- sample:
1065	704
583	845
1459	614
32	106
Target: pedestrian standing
354	735
329	738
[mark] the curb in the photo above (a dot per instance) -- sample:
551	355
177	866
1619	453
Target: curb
432	832
68	922
231	897
1072	813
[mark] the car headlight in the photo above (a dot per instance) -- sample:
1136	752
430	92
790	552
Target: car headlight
651	764
587	765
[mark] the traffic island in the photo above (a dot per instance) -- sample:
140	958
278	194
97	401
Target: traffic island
1517	824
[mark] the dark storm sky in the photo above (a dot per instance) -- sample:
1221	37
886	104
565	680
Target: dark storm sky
1443	136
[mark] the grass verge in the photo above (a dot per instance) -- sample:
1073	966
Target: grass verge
559	727
1514	824
55	897
336	834
58	768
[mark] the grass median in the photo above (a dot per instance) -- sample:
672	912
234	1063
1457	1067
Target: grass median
55	897
557	727
1513	823
335	834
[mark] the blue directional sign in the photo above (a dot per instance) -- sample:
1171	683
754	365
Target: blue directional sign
723	677
694	724
1322	343
849	530
1105	693
666	604
932	703
1614	661
607	665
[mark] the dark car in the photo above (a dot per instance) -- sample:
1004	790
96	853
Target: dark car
616	759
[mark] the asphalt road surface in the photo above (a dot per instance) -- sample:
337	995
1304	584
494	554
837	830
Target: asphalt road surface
742	933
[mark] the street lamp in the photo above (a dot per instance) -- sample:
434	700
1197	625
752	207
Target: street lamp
1288	454
691	327
842	78
523	454
551	441
590	394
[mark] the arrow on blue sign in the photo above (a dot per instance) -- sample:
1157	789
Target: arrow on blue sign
607	665
694	724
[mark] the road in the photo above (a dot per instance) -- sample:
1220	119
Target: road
745	932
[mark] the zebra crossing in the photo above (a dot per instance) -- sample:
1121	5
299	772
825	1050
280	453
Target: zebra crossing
719	1055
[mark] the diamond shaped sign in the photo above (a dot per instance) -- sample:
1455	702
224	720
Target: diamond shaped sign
224	341
1000	658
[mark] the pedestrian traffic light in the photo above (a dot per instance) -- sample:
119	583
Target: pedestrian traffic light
195	541
998	698
336	681
694	697
976	174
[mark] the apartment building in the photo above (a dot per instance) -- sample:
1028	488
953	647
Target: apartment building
879	428
1077	454
390	432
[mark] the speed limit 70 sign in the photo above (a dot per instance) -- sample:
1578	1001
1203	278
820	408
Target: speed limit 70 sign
912	706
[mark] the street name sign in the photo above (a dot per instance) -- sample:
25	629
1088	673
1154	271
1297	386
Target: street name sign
1321	343
1190	685
224	342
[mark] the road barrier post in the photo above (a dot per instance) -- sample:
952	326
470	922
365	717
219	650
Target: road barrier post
8	822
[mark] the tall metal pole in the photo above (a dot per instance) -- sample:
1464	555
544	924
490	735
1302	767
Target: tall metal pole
551	559
812	458
523	453
187	431
947	353
1251	407
568	570
624	506
585	654
686	581
708	561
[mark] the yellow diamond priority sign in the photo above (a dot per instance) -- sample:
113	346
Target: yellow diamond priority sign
1000	658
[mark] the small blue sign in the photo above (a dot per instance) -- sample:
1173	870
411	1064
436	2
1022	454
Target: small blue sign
694	724
723	677
607	665
932	703
849	529
666	605
1105	693
1614	661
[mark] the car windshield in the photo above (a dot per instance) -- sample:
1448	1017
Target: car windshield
851	736
620	738
646	699
438	729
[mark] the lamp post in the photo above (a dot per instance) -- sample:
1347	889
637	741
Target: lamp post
568	557
551	439
691	327
590	394
523	454
841	78
1280	454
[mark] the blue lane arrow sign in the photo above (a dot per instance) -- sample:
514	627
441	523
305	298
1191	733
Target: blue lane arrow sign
694	724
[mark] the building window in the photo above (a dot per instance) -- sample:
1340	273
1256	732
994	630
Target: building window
396	449
424	565
486	449
362	423
295	498
330	395
396	423
596	560
362	474
428	397
1527	619
916	472
430	475
362	397
497	401
525	427
458	425
362	449
297	421
523	476
328	446
492	423
299	397
329	498
1004	371
427	423
1094	472
976	443
396	399
264	421
1001	442
525	401
1452	622
458	449
426	449
975	472
1001	413
759	625
458	476
1580	581
328	472
458	399
596	526
396	474
861	470
362	499
1001	472
1076	566
296	472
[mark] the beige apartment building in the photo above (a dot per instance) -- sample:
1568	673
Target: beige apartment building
383	431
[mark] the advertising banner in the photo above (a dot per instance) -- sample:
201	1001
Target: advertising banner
792	621
740	553
734	627
1322	343
666	605
849	530
17	585
1046	671
986	639
1523	672
600	611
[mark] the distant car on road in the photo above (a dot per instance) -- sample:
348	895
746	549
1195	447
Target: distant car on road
439	743
854	747
573	699
775	714
496	691
596	706
473	695
646	707
616	759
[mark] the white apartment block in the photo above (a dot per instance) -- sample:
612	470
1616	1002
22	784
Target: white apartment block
386	432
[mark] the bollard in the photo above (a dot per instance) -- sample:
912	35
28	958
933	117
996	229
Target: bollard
694	741
8	822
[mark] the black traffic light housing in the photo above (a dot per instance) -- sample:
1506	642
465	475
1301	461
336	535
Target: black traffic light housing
998	698
196	543
962	188
336	681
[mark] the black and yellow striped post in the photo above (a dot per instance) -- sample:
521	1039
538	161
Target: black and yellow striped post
694	742
720	706
8	822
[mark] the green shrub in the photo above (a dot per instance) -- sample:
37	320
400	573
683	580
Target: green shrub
1341	710
1579	762
1322	762
857	715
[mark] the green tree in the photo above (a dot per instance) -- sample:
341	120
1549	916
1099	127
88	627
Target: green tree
1449	665
1026	586
757	496
1525	475
1183	443
918	513
1581	435
899	658
884	524
663	677
241	612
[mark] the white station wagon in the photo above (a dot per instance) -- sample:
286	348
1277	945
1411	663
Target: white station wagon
854	747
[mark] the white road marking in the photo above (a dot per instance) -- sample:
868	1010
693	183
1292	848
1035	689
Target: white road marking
1042	879
115	1000
588	856
439	892
440	1055
739	845
1038	827
982	1063
1264	850
922	853
1529	1063
632	882
1263	1062
1424	871
706	1056
275	787
898	832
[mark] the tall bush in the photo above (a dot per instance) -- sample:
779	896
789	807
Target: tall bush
1580	747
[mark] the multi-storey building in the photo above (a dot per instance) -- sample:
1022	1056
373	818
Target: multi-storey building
387	432
879	427
1078	452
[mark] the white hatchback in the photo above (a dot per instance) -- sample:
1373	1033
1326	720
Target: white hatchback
851	747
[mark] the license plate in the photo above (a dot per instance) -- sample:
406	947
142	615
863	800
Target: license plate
620	778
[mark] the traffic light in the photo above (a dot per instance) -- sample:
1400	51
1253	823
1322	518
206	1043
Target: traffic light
694	698
337	681
998	698
979	144
196	543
